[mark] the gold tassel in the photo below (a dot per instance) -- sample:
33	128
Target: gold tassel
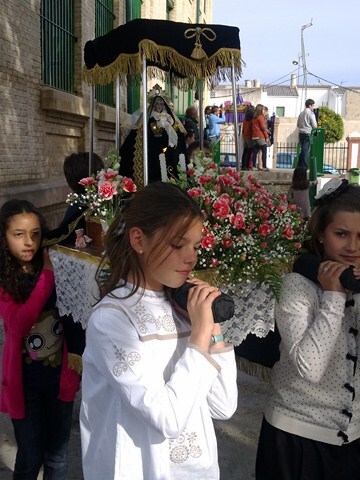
198	52
75	362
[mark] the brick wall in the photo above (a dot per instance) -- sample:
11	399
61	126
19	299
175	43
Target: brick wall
40	125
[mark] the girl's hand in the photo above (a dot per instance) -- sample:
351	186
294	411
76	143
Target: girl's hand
200	299
47	262
357	272
329	275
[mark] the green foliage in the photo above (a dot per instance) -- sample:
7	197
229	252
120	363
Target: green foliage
332	123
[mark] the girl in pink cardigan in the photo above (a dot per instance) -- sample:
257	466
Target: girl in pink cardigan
37	387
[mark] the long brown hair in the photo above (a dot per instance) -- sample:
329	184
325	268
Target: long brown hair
158	206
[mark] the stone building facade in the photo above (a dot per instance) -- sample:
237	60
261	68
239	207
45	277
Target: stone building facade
40	125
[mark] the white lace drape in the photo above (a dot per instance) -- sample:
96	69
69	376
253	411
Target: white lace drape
76	288
254	312
77	292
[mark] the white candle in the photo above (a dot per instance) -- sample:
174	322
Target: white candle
164	177
182	162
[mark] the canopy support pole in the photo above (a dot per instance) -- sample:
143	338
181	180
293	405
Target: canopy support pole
201	117
117	121
91	129
236	120
145	120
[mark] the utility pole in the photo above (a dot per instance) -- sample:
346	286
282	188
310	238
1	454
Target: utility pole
303	56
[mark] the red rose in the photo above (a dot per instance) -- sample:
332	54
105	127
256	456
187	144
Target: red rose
227	241
264	230
221	209
205	179
214	262
238	220
208	242
194	192
288	232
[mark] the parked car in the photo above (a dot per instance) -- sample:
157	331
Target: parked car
286	160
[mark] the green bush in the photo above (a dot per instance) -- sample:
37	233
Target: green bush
332	123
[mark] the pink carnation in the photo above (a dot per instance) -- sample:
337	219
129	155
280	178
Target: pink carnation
129	185
87	181
110	174
107	190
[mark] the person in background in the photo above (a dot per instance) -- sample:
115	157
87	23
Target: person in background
191	121
216	117
207	112
247	137
37	386
154	375
260	136
76	167
311	427
305	123
299	191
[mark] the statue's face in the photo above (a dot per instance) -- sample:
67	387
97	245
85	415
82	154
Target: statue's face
159	105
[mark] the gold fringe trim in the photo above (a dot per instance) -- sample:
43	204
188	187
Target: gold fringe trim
77	254
253	369
139	159
165	57
75	362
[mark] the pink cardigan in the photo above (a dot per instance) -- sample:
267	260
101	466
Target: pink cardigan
18	319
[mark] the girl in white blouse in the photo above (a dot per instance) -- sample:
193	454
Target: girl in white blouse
311	427
153	378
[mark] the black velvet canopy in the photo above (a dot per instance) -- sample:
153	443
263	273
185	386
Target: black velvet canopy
187	51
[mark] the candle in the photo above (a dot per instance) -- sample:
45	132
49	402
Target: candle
164	177
182	162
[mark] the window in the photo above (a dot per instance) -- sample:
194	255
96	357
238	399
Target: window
280	111
57	44
104	23
133	11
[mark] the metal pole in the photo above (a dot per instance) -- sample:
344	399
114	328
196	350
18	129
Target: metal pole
304	56
201	109
236	121
117	124
145	120
91	128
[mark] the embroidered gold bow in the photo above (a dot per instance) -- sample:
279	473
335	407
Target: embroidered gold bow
198	53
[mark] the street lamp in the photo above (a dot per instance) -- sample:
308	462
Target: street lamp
303	56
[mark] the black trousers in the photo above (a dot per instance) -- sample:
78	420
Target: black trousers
284	456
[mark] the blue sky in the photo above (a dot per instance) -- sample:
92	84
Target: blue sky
270	36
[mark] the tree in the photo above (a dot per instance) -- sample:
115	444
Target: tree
332	123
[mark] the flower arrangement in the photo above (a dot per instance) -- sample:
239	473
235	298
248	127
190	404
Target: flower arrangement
104	191
248	233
